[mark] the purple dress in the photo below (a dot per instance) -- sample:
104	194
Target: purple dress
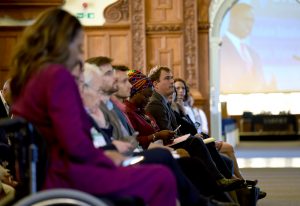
51	101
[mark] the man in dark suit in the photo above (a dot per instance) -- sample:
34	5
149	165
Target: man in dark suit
158	106
240	66
5	100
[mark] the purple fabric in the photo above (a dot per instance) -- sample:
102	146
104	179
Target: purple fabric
51	101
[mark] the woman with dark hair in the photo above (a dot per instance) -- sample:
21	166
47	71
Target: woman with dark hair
180	97
45	93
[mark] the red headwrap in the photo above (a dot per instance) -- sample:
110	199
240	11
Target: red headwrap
139	81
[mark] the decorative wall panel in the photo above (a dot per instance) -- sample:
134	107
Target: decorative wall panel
165	50
117	12
138	34
163	11
110	42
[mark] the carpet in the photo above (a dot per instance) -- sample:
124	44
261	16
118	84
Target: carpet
281	184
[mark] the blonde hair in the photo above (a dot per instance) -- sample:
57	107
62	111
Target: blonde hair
46	41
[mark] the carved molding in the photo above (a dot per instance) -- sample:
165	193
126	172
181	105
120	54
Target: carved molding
190	41
214	8
203	26
163	27
138	34
117	12
217	10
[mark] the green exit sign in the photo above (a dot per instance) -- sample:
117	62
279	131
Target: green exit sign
80	15
91	15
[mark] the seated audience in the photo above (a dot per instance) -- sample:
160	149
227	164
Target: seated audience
188	195
149	132
179	99
159	107
45	93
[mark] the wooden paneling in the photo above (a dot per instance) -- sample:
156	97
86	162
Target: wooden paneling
8	40
120	48
165	50
203	6
163	11
110	42
141	34
26	9
95	44
99	41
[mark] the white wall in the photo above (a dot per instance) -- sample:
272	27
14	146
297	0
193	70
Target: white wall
93	14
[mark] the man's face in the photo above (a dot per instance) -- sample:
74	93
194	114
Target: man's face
108	80
123	84
165	85
244	24
90	93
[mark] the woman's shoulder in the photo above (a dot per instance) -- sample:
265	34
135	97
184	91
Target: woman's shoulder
55	69
52	73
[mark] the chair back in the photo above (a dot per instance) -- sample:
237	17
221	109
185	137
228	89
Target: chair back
29	152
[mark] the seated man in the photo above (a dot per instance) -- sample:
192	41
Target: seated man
160	108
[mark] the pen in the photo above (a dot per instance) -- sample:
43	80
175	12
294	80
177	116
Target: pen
177	128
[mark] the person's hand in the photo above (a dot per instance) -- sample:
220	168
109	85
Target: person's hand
6	177
4	173
123	147
116	157
166	136
198	135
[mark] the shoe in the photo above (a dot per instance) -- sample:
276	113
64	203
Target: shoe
230	184
262	195
213	202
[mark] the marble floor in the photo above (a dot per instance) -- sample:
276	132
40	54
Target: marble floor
268	154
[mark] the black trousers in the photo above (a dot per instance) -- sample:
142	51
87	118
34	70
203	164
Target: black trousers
198	174
207	154
223	163
188	194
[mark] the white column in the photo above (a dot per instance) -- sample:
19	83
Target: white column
214	79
